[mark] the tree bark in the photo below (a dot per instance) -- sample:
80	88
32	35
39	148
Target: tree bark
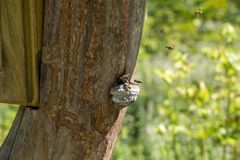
86	44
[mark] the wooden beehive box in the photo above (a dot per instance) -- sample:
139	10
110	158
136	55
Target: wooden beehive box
20	44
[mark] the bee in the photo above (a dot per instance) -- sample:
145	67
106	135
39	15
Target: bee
198	12
125	80
170	47
137	81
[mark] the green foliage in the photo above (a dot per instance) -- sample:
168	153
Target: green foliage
7	114
189	105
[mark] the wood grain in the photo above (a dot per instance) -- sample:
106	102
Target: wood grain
20	42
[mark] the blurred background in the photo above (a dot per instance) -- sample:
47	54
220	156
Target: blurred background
189	107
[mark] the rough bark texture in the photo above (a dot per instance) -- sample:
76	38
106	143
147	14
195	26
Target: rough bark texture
86	44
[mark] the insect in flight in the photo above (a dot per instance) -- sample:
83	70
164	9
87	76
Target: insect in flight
169	47
198	12
138	81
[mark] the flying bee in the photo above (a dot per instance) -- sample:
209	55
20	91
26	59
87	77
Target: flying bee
137	81
170	47
198	12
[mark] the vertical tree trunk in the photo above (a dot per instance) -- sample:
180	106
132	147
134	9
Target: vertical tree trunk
86	44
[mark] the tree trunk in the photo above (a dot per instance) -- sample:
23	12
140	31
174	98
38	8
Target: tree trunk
86	44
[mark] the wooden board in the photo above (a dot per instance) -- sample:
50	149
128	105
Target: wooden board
20	43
